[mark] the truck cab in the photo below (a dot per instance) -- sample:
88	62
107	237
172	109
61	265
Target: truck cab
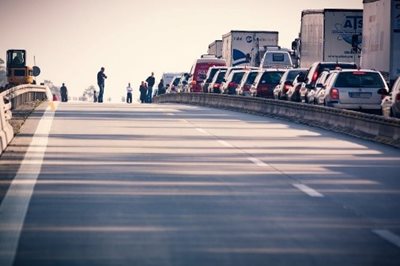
17	71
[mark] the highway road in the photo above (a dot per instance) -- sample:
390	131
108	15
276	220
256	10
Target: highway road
118	184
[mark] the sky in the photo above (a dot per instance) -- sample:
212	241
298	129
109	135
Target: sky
72	39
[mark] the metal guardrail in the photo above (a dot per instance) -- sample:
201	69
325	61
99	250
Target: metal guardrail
11	99
366	126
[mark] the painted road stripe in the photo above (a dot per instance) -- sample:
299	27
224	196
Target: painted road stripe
388	236
202	131
170	114
224	143
16	202
257	162
309	191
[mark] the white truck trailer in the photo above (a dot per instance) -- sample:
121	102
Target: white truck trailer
331	35
381	35
243	47
215	48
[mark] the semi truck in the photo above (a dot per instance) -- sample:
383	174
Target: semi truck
330	35
215	48
245	47
381	35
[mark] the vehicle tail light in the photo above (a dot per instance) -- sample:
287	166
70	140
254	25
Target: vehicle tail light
246	87
232	85
315	76
334	94
193	83
286	87
216	85
398	97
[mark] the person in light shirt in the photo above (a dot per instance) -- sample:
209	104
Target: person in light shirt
129	93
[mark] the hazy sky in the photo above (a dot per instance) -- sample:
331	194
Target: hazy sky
72	39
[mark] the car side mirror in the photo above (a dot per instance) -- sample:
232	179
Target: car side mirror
383	91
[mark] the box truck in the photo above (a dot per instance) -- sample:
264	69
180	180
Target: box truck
215	48
381	35
330	35
245	47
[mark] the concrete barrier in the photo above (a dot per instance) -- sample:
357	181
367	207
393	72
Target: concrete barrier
14	97
366	126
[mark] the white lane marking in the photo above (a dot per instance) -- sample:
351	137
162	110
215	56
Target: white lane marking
202	131
184	120
170	114
16	202
257	162
309	191
388	236
224	143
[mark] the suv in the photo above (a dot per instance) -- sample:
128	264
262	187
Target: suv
355	89
215	85
265	83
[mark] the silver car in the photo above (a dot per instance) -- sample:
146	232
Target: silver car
355	89
391	103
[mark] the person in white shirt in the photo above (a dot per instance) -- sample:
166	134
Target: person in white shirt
129	93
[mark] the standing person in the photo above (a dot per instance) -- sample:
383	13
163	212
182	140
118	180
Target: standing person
64	93
150	83
129	93
143	92
161	88
100	81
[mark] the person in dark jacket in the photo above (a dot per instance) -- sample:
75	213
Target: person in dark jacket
100	81
150	83
143	92
64	93
161	88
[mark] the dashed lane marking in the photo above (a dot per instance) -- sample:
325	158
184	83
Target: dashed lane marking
309	191
224	143
202	131
257	162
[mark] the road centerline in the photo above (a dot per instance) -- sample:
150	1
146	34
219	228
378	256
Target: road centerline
308	190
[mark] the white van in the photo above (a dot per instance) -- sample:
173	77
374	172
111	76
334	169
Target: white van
276	59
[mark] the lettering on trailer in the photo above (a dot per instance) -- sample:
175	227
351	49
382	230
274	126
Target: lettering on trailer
396	25
352	25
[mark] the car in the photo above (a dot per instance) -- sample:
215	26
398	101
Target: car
315	71
248	79
318	67
265	83
286	82
183	83
199	70
391	102
293	93
210	75
232	82
314	95
174	85
357	89
276	59
215	84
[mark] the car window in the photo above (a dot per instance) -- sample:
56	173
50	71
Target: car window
237	77
251	77
359	79
271	77
220	76
293	74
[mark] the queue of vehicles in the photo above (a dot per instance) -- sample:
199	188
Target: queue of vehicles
329	64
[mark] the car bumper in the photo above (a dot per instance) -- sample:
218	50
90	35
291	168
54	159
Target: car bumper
355	106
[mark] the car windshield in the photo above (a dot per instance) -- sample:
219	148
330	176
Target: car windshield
212	74
237	77
176	81
220	76
359	79
251	77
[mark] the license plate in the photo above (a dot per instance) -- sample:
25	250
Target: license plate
360	94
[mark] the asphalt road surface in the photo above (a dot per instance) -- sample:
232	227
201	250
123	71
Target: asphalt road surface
104	184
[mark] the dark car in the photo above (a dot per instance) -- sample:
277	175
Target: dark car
265	83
